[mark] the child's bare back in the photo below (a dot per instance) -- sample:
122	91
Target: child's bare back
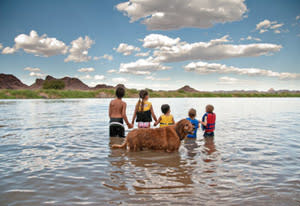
116	108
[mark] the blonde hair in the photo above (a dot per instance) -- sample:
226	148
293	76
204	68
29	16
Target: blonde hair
140	104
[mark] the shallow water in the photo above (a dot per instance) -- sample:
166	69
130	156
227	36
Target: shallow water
56	152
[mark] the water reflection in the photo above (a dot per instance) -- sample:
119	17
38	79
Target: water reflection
58	153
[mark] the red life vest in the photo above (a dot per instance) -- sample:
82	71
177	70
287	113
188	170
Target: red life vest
211	121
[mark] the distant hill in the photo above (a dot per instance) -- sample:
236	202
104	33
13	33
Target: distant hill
8	81
187	88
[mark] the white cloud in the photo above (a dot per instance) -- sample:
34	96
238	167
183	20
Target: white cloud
227	80
105	56
262	31
277	31
276	26
9	50
141	67
159	40
79	50
89	69
170	14
212	50
36	74
266	24
86	77
250	38
143	54
1	46
126	49
31	69
207	68
112	71
298	17
38	45
152	78
99	77
119	80
263	24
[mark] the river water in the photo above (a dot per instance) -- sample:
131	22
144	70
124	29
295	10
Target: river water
57	152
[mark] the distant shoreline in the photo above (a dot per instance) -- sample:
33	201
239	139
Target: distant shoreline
130	93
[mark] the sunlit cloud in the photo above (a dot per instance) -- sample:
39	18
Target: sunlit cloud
167	49
31	69
79	50
209	68
126	49
170	14
89	69
142	66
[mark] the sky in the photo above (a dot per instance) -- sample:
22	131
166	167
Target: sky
157	44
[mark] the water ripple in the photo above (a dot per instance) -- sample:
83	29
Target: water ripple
57	152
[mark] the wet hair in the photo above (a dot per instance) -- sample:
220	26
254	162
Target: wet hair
165	108
120	92
192	113
142	95
209	108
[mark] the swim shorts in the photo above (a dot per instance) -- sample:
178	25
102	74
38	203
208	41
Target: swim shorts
116	127
208	134
143	124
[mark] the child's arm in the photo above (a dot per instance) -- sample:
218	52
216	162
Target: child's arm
153	115
109	110
125	116
205	122
134	116
173	120
158	121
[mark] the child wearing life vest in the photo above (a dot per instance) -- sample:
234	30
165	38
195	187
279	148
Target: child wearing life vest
194	121
166	119
143	112
208	121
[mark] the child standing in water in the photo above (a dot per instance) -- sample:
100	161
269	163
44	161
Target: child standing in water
117	113
208	121
195	122
143	111
166	119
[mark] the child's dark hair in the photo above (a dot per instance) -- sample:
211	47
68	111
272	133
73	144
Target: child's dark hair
143	93
192	113
209	108
120	92
165	108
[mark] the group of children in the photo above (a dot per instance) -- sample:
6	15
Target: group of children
144	113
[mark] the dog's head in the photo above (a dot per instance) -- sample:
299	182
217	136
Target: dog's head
183	128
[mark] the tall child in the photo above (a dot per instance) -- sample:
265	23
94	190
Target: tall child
143	111
117	113
194	121
208	121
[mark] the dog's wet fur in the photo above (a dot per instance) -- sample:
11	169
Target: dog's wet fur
165	138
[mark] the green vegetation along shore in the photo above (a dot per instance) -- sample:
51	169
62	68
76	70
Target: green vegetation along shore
130	93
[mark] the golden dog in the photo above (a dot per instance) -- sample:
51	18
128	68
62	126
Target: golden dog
165	138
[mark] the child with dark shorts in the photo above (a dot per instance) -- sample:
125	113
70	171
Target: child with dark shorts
117	115
208	121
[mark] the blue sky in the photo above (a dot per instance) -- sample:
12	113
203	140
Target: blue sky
209	46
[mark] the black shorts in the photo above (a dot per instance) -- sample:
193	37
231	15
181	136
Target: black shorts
209	134
116	127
